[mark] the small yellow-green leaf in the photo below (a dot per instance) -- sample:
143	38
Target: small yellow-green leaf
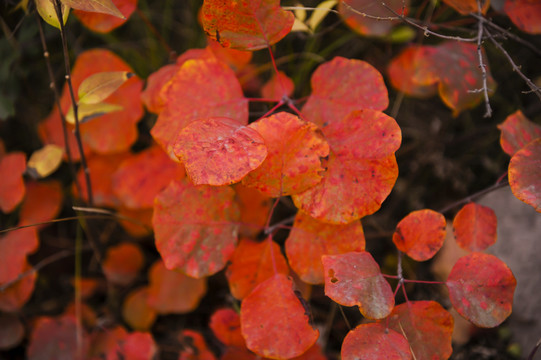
48	14
45	161
300	12
88	112
98	6
320	12
300	26
402	34
97	87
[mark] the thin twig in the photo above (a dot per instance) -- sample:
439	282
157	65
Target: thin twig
474	196
482	66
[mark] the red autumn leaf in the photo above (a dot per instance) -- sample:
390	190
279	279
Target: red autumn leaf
105	343
15	296
354	278
172	291
252	263
420	234
104	23
525	14
140	177
481	289
408	71
55	338
278	87
245	24
195	227
139	223
136	312
219	151
14	247
155	82
475	227
254	209
517	131
214	91
236	59
465	7
194	346
341	86
122	263
525	174
225	324
361	169
352	12
309	239
138	346
374	342
11	331
12	189
293	162
427	326
262	315
42	202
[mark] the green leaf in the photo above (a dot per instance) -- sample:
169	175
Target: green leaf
97	87
98	6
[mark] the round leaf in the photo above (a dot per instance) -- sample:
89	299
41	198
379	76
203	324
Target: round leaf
525	174
475	227
375	342
225	324
517	131
12	189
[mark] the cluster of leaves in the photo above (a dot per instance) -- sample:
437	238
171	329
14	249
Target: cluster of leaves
208	187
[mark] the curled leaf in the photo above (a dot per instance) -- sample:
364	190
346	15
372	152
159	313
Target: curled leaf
87	112
47	12
45	161
99	6
97	87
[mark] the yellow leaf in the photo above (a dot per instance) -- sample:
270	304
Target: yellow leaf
48	14
98	6
96	88
45	161
300	26
320	12
88	112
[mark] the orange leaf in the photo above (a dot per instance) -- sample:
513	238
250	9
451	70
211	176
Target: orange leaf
42	202
465	7
475	227
525	14
374	342
420	234
254	209
225	324
236	59
194	347
481	289
214	91
11	331
525	174
341	86
12	189
14	247
408	71
354	278
14	297
246	24
427	326
278	87
136	312
195	227
173	292
294	150
104	23
361	169
138	346
98	6
253	263
155	82
517	131
219	151
122	263
368	25
309	239
262	315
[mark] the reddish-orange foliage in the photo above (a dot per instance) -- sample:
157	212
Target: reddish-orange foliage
122	263
475	227
409	71
420	234
219	151
309	239
468	6
374	342
361	169
525	174
139	223
14	247
517	131
246	24
225	324
353	279
194	346
106	342
104	23
155	82
12	189
173	292
136	311
254	209
236	59
253	263
11	331
14	297
262	317
42	202
525	14
278	87
294	150
138	346
352	11
427	326
195	227
481	289
214	92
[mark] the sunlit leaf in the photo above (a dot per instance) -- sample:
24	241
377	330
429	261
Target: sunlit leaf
475	227
466	7
420	234
293	162
15	296
195	227
214	92
252	263
426	325
173	292
481	289
309	239
517	131
375	342
225	324
236	59
12	189
352	12
341	86
219	151
122	263
525	14
525	174
354	278
97	87
136	312
408	71
99	6
194	346
47	12
262	317
254	209
45	161
14	247
278	87
42	202
103	23
11	331
155	82
87	112
361	168
246	24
